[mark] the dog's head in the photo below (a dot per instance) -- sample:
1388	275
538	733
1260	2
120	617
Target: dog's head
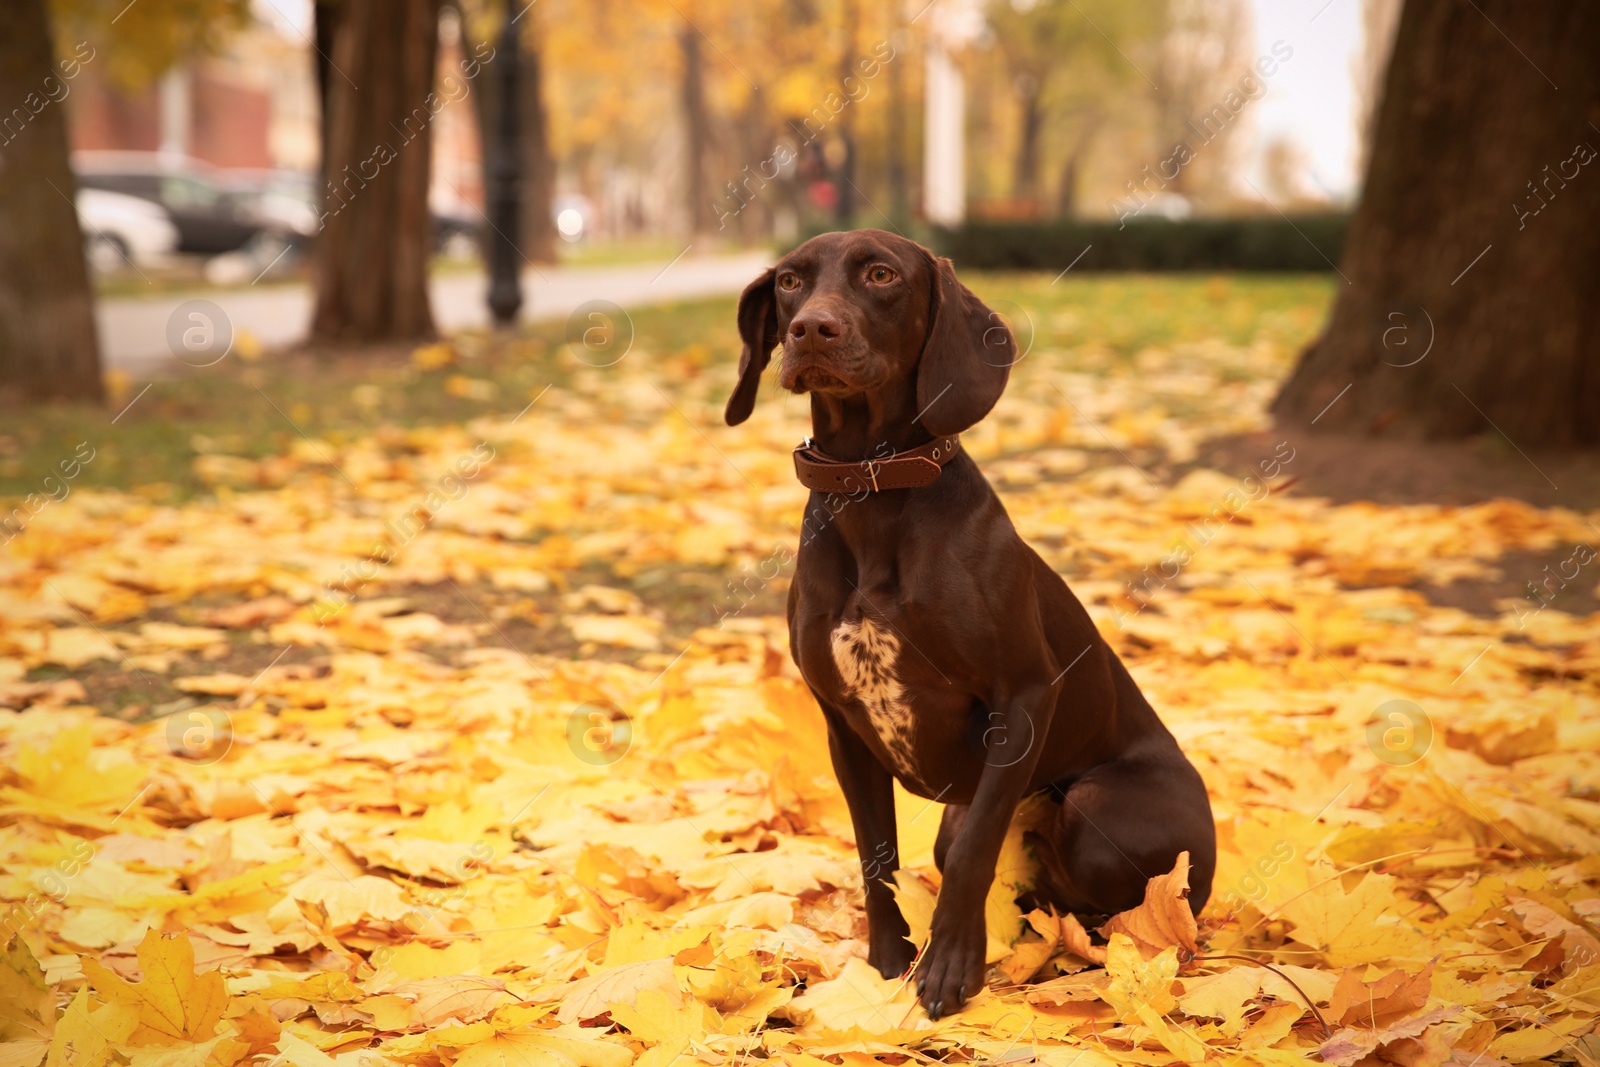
866	311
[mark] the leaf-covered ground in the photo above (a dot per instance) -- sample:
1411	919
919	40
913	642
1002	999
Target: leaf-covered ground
479	743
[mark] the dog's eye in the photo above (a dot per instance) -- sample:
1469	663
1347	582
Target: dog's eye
881	275
788	281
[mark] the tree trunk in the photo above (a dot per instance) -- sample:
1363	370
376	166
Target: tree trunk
844	175
755	141
1067	197
47	340
697	130
371	264
538	165
325	20
1473	259
1025	170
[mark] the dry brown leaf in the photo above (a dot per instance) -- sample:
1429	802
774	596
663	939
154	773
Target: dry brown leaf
1379	1003
1164	919
1075	939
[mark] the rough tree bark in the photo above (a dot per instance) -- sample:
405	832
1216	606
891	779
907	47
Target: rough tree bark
47	340
371	259
1478	233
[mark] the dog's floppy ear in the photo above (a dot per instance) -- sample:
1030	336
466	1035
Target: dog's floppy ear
966	358
758	328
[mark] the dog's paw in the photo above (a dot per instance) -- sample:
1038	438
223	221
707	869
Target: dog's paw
952	970
893	957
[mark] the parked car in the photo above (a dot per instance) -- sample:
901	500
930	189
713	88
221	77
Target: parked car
288	200
284	198
210	218
120	230
457	230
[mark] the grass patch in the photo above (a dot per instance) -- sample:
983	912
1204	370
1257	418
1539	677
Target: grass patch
267	407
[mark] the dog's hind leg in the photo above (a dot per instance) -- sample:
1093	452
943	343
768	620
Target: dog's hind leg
1121	824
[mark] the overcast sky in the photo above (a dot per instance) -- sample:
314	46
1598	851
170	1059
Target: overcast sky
1311	100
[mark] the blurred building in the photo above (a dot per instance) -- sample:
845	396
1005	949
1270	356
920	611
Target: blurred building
255	106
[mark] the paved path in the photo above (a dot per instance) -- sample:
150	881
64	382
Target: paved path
133	330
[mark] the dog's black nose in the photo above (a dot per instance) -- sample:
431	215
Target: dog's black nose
819	326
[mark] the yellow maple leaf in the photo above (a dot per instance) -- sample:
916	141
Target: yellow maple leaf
71	772
1139	982
658	1018
27	1007
173	1002
1141	990
916	902
1224	996
861	1001
599	993
1346	927
88	1037
414	961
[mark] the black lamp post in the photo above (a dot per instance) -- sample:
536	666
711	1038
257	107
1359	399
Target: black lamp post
505	180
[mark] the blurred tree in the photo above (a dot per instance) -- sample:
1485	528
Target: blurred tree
756	82
1204	57
47	340
140	42
370	262
1473	259
1284	169
48	347
697	129
1066	63
538	165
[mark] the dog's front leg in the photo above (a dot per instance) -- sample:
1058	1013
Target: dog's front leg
869	791
952	968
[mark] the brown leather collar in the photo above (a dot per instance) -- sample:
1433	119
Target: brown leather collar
911	469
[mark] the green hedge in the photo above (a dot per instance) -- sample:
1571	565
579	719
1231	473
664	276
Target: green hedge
1257	243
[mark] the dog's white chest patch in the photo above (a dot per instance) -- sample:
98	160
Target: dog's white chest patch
866	657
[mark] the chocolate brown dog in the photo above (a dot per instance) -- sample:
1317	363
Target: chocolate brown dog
944	652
